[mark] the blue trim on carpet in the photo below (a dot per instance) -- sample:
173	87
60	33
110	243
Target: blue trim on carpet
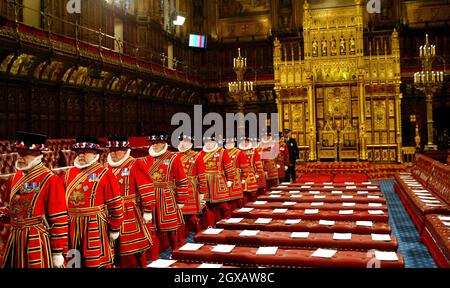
416	254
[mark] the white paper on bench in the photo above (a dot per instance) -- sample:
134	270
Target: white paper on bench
433	205
347	196
234	220
267	251
350	187
366	183
317	204
245	210
328	187
446	223
263	221
346	212
275	192
294	192
260	202
161	263
280	211
342	236
305	187
414	185
381	237
337	192
372	187
427	197
327	222
386	256
327	183
314	192
373	197
292	221
300	235
422	194
212	231
210	266
376	212
444	218
289	203
364	223
279	187
375	205
324	253
349	183
296	196
345	204
191	247
363	192
310	183
275	196
431	201
420	191
249	233
320	197
311	211
286	183
223	248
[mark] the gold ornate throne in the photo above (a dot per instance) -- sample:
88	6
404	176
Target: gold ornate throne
328	143
348	143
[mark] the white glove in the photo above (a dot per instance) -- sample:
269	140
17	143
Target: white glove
58	260
201	197
229	184
148	217
257	176
243	181
180	206
278	166
267	174
286	168
114	235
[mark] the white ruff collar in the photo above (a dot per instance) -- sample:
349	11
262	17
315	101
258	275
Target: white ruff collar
186	149
250	146
120	162
214	149
230	146
31	165
79	166
154	154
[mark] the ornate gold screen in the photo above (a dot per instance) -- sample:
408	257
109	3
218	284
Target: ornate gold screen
336	87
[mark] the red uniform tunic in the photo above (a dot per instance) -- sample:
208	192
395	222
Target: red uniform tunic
170	182
240	164
195	173
269	163
95	209
38	216
282	160
260	170
138	195
219	169
254	168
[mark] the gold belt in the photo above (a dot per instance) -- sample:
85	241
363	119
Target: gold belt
91	211
22	223
214	172
129	199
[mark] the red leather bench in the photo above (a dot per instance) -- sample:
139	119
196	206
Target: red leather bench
190	265
325	206
284	239
284	258
330	198
436	236
307	226
426	190
5	147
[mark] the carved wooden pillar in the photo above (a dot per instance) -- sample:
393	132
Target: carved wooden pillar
312	118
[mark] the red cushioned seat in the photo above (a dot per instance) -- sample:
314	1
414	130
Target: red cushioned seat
307	226
322	215
284	258
7	163
325	206
284	239
330	198
191	265
436	236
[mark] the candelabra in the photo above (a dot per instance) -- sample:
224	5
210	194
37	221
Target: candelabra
429	82
240	90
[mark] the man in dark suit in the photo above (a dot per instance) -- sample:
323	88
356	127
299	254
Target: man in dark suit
293	155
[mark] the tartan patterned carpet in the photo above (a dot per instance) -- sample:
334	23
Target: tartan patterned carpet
416	255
